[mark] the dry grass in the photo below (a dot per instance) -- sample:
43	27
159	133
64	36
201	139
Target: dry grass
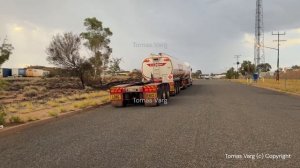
53	103
285	85
34	110
53	113
30	99
15	119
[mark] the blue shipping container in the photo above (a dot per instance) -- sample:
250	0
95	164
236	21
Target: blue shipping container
22	71
6	72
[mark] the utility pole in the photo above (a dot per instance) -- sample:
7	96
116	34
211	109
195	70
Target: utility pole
278	34
237	62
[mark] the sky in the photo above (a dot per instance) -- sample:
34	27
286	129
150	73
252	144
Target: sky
205	33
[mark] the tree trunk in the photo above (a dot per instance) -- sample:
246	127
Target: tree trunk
82	80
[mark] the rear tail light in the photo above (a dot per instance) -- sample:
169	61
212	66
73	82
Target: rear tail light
149	89
117	90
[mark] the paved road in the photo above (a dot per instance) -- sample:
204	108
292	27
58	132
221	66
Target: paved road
196	129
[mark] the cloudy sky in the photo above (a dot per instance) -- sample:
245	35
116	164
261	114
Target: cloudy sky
205	33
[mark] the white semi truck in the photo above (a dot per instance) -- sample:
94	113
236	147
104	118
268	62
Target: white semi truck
163	76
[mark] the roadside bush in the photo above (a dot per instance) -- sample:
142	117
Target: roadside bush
81	104
2	118
15	119
2	115
53	103
3	84
63	110
37	88
53	114
30	93
30	119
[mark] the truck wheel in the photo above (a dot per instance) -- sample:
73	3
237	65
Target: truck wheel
167	94
159	96
178	89
124	104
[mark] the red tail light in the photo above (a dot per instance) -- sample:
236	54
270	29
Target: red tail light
117	90
149	89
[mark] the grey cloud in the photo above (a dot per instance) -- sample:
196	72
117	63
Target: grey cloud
206	33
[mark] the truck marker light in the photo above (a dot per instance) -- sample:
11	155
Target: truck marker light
117	90
149	89
156	64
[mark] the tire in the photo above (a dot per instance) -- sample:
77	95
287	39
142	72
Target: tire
167	94
124	104
160	95
175	90
164	95
167	91
178	89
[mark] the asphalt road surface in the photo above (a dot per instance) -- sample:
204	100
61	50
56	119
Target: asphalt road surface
211	124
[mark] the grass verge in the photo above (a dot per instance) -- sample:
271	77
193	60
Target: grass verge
28	111
284	85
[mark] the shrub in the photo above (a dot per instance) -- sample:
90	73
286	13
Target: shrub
31	93
77	97
52	103
15	119
3	84
2	118
81	104
53	113
29	119
12	109
2	115
63	110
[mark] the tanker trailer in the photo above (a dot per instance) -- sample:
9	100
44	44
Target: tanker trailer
163	76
